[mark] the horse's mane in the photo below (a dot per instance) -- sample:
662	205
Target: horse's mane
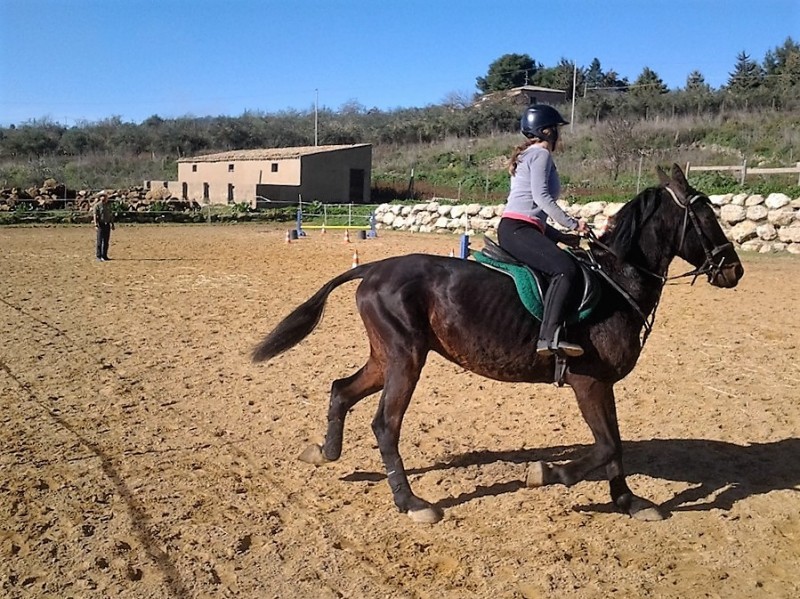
626	224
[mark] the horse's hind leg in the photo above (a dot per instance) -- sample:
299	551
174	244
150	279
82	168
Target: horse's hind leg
345	393
400	384
598	407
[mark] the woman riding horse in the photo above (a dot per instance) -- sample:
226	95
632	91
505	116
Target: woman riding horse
523	230
472	315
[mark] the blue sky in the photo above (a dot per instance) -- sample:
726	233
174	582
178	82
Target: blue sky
72	60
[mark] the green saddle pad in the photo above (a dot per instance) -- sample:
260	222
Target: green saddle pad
528	290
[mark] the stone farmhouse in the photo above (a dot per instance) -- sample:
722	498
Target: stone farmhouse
330	174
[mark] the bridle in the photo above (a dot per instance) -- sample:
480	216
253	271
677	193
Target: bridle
709	267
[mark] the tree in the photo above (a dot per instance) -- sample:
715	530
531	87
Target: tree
746	75
507	72
560	77
782	65
619	143
594	77
648	83
696	83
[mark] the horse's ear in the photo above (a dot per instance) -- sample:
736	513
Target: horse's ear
679	177
663	178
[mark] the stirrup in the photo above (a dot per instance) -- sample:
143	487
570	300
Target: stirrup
558	346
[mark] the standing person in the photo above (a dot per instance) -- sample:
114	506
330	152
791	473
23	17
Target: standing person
523	230
103	220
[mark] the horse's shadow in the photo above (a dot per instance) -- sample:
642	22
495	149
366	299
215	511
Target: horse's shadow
721	473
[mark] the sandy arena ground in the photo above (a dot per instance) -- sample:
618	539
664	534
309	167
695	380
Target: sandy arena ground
143	455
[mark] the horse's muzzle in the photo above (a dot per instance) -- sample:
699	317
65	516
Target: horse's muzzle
727	276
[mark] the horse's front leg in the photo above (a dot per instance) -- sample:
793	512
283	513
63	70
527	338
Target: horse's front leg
598	407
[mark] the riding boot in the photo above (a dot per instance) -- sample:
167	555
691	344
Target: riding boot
553	308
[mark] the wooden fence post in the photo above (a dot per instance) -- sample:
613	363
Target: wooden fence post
744	171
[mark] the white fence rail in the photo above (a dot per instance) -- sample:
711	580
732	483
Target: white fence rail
744	170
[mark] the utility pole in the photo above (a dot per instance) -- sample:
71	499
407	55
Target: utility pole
574	84
316	117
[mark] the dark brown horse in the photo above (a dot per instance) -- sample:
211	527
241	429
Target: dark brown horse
472	316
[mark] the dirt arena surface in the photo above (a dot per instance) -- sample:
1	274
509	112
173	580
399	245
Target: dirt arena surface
143	455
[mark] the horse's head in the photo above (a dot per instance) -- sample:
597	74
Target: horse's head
674	219
701	241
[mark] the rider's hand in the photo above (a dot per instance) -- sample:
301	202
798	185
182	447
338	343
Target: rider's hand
582	227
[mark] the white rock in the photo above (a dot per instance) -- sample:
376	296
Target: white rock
498	210
780	218
472	209
754	200
592	209
742	232
388	218
790	234
777	200
432	206
732	214
613	208
757	212
456	211
406	210
739	199
441	222
486	212
754	245
767	232
719	200
444	209
793	248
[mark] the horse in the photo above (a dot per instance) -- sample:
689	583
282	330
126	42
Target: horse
472	315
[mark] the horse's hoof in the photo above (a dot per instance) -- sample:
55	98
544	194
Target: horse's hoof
649	514
534	477
429	515
313	455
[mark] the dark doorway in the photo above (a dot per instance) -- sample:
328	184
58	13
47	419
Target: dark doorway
356	184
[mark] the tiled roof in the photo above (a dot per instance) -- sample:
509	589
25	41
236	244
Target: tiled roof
269	153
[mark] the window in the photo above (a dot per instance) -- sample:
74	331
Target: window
194	168
274	167
230	168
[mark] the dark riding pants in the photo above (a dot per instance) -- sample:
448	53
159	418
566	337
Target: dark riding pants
527	244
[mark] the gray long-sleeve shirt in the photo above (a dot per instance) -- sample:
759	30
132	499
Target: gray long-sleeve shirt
535	188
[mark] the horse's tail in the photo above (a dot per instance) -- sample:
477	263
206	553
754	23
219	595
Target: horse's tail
303	319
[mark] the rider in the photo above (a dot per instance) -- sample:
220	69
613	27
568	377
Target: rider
523	230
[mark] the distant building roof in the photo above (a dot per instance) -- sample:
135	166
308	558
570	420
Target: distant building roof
269	153
526	93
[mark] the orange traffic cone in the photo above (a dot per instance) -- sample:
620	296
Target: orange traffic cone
347	236
355	259
323	229
288	236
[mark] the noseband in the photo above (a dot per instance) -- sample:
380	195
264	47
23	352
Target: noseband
710	266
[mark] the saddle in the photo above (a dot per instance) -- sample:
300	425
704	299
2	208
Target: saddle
531	285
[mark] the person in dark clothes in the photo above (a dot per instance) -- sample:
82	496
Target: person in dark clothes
103	220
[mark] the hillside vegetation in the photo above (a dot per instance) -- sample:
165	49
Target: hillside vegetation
459	149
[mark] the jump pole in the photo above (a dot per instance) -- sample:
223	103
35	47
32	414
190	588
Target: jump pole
464	254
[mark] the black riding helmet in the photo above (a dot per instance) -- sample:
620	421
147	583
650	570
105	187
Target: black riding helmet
538	117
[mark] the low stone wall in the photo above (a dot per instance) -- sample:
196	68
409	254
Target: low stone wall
752	222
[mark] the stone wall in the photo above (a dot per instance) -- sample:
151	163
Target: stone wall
752	222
